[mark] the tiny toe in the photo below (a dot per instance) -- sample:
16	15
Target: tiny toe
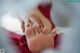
36	27
29	31
53	32
45	30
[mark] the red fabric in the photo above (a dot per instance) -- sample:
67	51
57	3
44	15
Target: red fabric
21	42
45	10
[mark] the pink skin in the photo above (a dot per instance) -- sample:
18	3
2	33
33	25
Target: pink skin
38	37
39	40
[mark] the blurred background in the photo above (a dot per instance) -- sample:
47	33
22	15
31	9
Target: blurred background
64	14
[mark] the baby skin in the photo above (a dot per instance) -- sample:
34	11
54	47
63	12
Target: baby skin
39	36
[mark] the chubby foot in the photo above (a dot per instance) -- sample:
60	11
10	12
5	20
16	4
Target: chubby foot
39	40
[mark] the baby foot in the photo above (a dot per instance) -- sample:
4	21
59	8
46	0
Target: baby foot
33	42
39	40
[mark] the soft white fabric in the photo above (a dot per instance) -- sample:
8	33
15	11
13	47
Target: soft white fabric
70	11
